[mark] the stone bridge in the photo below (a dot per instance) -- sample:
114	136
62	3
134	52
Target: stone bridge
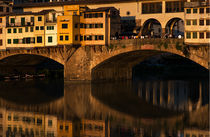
114	61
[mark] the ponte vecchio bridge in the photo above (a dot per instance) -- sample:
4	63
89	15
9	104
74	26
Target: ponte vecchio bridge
114	61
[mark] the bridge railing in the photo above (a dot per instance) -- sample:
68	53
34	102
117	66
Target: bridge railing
152	41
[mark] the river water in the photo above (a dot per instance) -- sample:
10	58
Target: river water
137	108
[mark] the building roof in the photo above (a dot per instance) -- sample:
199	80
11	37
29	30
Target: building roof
43	12
79	2
101	9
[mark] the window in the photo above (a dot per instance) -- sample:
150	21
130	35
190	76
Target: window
15	41
201	22
9	41
37	27
66	37
61	127
41	27
201	10
26	29
31	29
32	19
64	26
0	30
207	35
61	38
1	9
96	37
20	30
194	22
15	118
101	37
81	25
39	18
100	15
49	121
49	39
188	11
0	20
9	31
76	37
39	39
207	10
188	35
207	21
28	40
12	20
155	7
195	10
194	35
201	35
128	12
76	25
50	27
81	38
39	121
188	22
66	128
0	42
14	30
7	9
23	21
100	25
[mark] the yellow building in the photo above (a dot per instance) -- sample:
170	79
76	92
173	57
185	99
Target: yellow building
83	26
197	22
28	29
2	32
65	128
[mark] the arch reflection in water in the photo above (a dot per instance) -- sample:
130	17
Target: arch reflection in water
93	110
174	94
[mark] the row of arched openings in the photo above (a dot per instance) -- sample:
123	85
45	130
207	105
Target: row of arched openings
152	28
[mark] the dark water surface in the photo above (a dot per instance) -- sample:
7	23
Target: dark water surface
138	108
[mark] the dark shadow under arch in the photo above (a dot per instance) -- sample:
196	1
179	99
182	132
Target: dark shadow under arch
123	63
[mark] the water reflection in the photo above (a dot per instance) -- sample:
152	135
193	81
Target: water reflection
118	109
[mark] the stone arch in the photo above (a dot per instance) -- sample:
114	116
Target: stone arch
56	55
151	28
174	27
118	64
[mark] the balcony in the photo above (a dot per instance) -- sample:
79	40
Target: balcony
19	24
195	4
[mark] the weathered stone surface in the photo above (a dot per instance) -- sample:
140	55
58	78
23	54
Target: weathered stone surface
115	61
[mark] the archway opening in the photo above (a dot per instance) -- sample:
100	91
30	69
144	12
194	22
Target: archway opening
175	28
30	79
24	64
152	29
